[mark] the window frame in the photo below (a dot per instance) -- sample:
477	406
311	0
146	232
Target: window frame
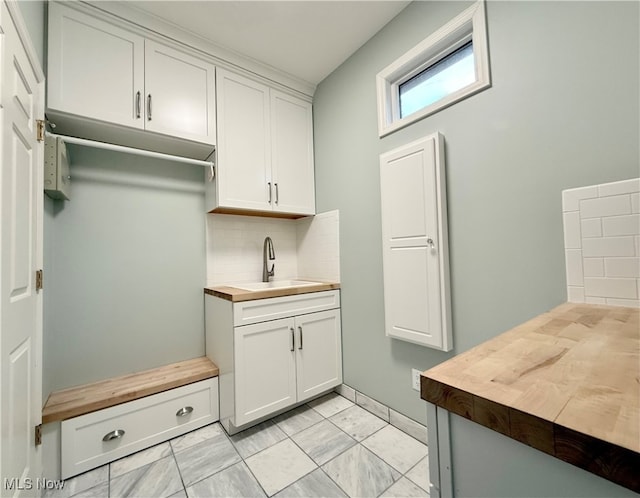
468	26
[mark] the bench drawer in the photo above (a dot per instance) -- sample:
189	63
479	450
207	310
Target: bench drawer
94	439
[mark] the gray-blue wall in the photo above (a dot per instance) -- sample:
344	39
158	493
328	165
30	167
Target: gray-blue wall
34	16
125	268
563	111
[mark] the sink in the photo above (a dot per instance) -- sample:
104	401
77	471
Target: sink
276	284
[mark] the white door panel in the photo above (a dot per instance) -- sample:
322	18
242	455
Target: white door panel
96	69
414	241
292	163
244	143
179	93
318	353
265	372
21	205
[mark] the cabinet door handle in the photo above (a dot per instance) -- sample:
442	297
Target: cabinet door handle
149	107
138	103
300	330
293	340
184	411
269	183
117	434
277	194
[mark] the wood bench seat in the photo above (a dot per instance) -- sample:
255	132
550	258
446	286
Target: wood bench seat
68	403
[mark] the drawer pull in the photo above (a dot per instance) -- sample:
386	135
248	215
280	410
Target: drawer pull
184	411
117	434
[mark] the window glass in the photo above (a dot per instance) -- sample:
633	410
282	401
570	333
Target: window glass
448	75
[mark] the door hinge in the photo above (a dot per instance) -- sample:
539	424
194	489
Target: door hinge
38	434
40	129
39	278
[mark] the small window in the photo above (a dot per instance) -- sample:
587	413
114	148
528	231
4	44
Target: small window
449	66
448	75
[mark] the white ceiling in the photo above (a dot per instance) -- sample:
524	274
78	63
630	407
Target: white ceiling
307	39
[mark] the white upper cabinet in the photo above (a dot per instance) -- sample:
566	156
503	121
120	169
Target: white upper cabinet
265	150
180	96
414	244
292	154
244	143
95	69
100	75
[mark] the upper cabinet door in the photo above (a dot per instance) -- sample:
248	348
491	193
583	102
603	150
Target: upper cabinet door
179	95
244	143
292	154
414	244
95	69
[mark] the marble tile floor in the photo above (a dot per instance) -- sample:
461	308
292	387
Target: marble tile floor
329	447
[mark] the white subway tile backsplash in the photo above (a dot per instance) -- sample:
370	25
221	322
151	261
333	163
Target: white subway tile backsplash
622	267
626	288
605	206
635	203
631	303
304	248
621	225
575	273
571	198
595	300
575	294
621	187
591	227
608	246
572	230
603	266
593	267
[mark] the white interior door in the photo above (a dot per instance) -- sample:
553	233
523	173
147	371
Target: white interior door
414	241
21	255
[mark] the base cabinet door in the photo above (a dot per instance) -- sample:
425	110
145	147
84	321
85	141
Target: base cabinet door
318	353
264	357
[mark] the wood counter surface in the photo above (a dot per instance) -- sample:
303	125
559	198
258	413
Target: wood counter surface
566	382
236	295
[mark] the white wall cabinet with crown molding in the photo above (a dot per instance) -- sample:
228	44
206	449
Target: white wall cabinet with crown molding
109	83
265	151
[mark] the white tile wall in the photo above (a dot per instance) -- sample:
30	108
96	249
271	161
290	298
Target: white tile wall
602	243
318	247
305	248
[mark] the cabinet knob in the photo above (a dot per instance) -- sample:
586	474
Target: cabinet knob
149	107
117	434
277	194
184	411
300	330
293	340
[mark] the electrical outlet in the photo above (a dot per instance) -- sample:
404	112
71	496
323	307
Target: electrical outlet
415	379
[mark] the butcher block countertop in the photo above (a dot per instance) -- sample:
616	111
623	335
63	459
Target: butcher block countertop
236	295
566	382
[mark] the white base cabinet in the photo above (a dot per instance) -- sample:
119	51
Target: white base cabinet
290	352
96	438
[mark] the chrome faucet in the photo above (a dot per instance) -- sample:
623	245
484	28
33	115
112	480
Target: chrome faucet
268	252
